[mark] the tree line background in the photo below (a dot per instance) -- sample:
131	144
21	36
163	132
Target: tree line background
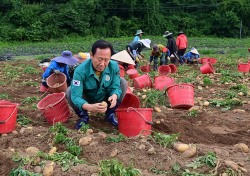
42	20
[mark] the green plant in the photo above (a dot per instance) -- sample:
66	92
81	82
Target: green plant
30	83
207	81
119	138
4	96
60	136
193	113
59	128
240	88
30	100
115	168
154	98
226	104
231	172
231	94
65	159
30	70
22	172
165	140
84	128
210	159
23	120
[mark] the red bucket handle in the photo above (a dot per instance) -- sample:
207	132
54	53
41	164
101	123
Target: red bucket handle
148	122
2	122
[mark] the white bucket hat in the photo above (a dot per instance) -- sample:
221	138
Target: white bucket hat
194	51
139	32
145	42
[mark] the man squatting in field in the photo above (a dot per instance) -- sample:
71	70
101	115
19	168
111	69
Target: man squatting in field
96	80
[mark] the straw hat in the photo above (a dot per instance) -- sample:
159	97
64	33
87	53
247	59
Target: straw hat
138	32
194	51
145	42
66	58
124	57
167	33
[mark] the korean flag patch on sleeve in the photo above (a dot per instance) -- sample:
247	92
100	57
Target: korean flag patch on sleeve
76	83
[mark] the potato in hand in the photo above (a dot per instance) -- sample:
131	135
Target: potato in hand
103	103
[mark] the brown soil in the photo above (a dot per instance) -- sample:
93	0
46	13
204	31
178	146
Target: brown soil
211	130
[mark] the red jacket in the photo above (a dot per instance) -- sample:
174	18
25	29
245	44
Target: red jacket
181	41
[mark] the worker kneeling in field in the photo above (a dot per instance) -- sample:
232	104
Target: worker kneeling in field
190	57
60	65
94	81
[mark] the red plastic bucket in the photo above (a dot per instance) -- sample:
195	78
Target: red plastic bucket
212	60
57	82
162	82
181	96
143	81
54	108
145	68
244	68
173	68
133	73
134	121
204	60
207	68
130	66
130	100
122	71
164	70
8	116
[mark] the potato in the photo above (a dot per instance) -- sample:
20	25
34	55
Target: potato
85	141
157	109
206	103
231	164
180	147
191	151
242	147
103	103
48	169
32	150
52	150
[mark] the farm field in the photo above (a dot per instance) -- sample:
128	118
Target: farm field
213	128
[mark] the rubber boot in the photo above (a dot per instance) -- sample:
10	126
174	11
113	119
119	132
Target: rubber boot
84	118
110	115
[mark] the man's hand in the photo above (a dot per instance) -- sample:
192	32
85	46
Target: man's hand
113	100
96	107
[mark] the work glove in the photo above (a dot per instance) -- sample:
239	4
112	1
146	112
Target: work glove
56	71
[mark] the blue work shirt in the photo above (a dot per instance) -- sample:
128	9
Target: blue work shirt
190	56
54	65
136	38
87	84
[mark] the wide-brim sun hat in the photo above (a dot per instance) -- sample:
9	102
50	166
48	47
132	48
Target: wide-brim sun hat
145	42
194	51
166	33
66	58
139	32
